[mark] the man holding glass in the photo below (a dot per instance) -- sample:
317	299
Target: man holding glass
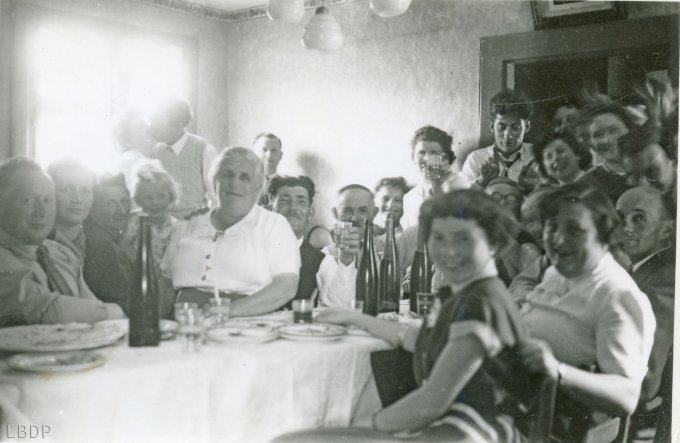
238	248
337	273
432	153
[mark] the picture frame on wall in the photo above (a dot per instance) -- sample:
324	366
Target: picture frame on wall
559	13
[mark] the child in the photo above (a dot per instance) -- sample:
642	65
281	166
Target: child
155	192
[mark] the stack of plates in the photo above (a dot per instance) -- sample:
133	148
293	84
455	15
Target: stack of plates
56	362
312	331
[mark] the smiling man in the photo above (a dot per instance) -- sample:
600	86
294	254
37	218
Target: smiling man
648	230
248	253
292	197
41	280
511	111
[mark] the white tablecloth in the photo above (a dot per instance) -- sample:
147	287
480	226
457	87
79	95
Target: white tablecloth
226	392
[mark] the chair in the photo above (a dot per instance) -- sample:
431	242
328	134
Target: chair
550	404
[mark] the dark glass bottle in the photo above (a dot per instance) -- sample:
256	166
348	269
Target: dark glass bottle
421	271
144	296
390	273
367	274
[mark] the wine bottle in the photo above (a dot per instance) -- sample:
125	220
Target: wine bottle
144	296
390	273
421	271
367	274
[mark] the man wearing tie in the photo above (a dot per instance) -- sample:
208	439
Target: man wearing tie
186	156
509	156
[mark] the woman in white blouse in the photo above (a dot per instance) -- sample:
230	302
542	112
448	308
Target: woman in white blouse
587	312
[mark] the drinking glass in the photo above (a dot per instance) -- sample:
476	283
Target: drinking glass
342	230
302	311
190	331
218	311
424	301
434	165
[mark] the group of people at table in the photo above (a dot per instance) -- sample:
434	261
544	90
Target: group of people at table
545	264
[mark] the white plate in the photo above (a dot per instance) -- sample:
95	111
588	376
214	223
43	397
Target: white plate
56	362
260	322
60	337
253	335
312	331
168	327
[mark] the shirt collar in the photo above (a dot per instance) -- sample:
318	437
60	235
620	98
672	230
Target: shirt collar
249	220
179	144
23	251
300	241
639	264
489	270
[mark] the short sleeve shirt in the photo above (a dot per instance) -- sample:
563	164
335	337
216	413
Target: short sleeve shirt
602	318
243	259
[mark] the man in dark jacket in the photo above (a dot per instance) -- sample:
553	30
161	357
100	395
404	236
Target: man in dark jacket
292	197
648	216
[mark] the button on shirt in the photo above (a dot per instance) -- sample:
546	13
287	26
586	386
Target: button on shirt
243	259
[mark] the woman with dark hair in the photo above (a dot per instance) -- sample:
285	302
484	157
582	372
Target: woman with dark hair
561	157
587	311
472	330
432	153
608	121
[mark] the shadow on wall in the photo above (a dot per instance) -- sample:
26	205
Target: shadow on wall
322	174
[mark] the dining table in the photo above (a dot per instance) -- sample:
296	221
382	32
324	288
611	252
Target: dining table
227	392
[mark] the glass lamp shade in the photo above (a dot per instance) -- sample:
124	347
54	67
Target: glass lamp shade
287	11
389	8
322	32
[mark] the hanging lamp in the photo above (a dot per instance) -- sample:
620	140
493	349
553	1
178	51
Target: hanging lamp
287	11
322	32
389	8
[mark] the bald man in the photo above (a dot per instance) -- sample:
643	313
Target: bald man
648	230
337	274
248	253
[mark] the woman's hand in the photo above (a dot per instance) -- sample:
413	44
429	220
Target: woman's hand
528	178
338	316
538	358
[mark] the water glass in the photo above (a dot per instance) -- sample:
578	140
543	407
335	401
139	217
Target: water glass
191	326
341	230
424	301
218	311
302	311
434	166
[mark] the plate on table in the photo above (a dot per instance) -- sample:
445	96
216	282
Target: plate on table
312	331
56	362
59	337
254	330
260	322
168	327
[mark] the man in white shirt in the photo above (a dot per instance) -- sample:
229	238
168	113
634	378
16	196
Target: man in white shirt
239	248
186	156
509	156
337	273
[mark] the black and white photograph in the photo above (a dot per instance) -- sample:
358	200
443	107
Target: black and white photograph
338	221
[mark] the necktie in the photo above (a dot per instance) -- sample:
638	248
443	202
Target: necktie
55	280
507	162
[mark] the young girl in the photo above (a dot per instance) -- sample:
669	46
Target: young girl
468	338
155	192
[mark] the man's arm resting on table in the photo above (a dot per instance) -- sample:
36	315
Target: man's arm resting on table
268	299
